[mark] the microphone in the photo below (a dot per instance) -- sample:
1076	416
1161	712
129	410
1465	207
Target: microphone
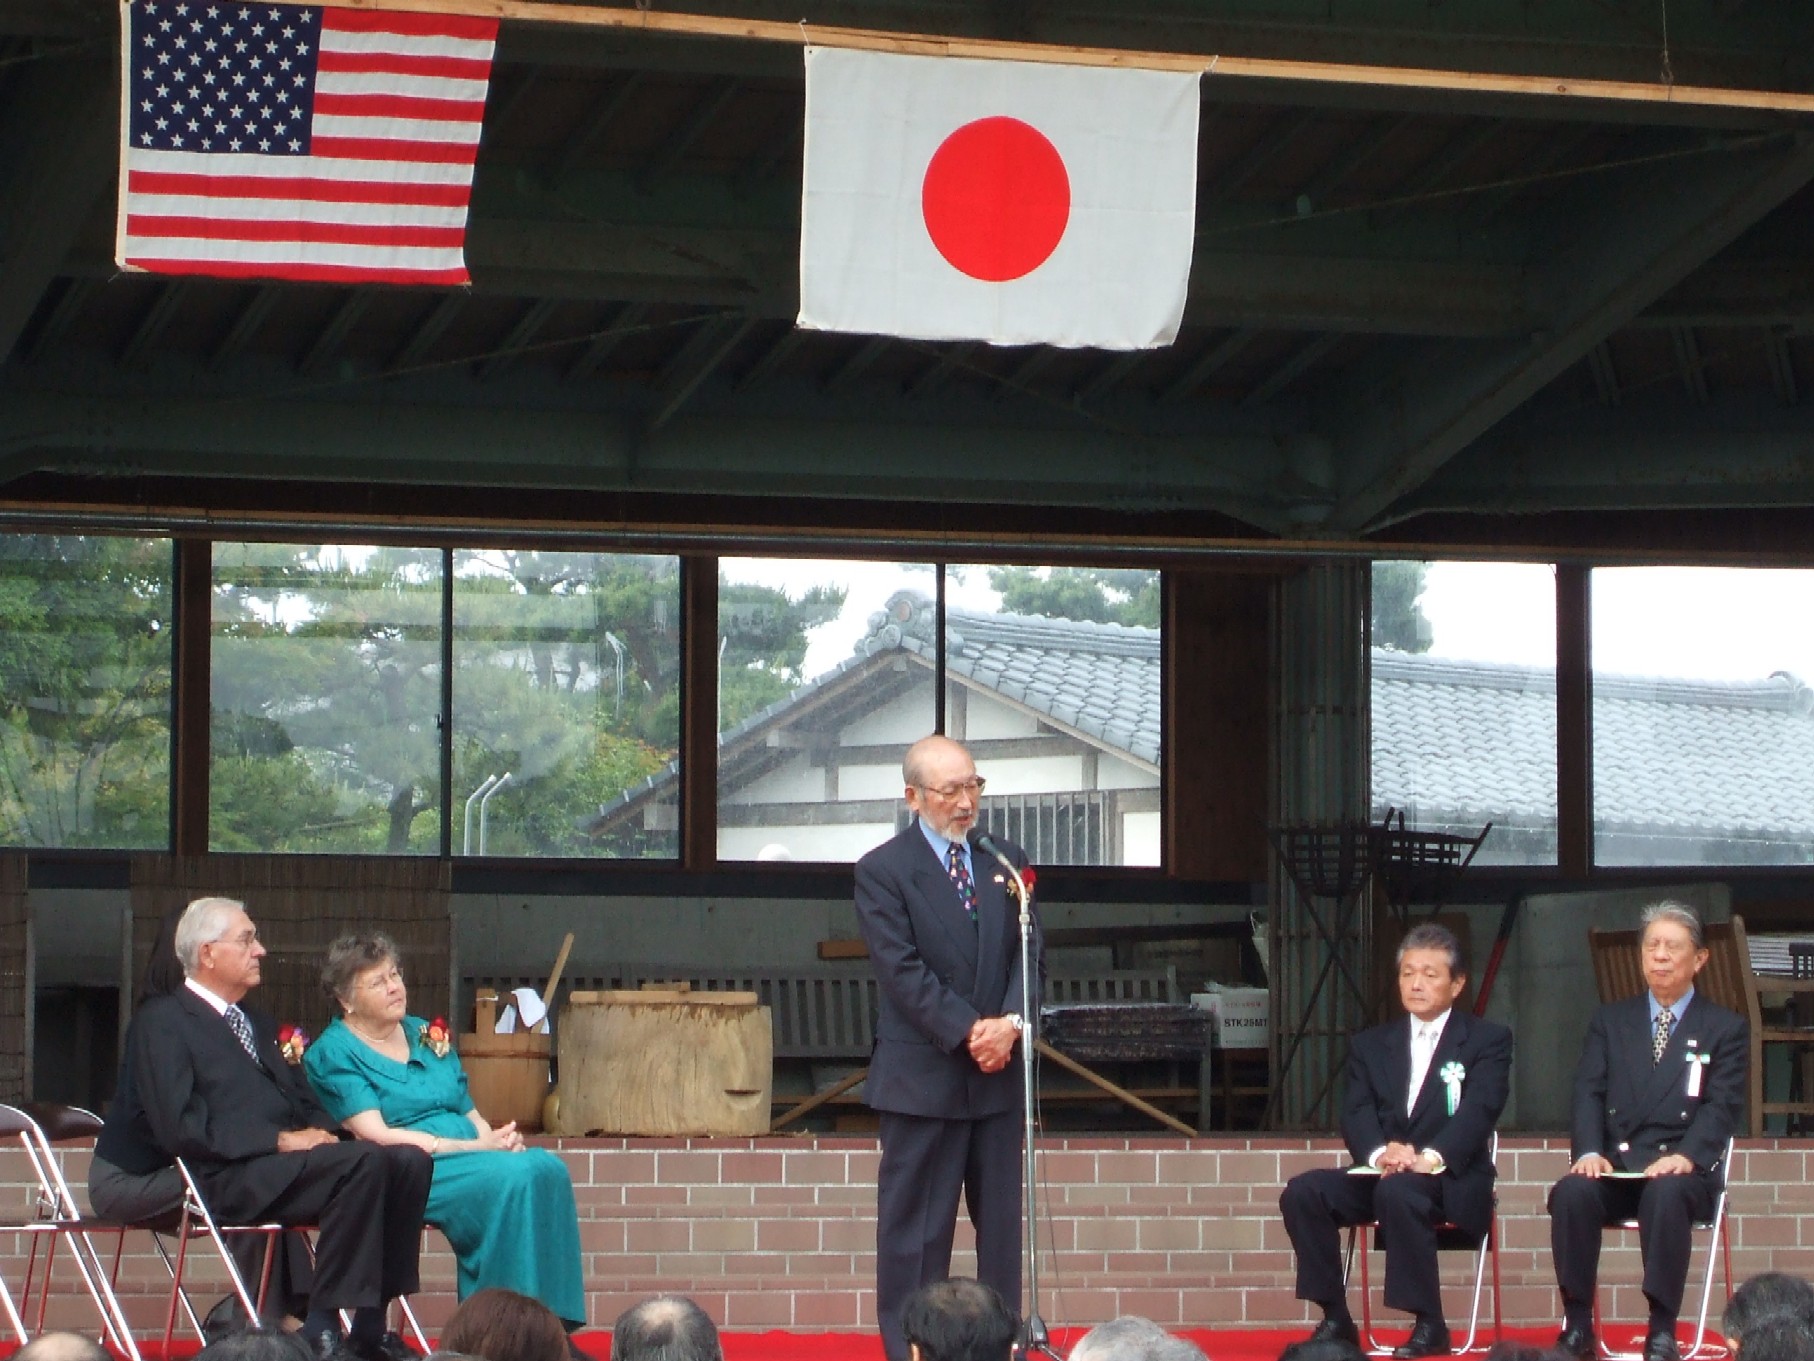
988	845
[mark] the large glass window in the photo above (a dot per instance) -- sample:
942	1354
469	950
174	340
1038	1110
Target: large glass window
326	699
566	704
85	648
1052	680
826	674
1464	703
1703	716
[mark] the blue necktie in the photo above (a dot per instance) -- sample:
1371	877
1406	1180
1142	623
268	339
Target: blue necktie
960	876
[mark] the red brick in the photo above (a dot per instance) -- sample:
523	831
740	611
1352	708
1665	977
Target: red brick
1141	1169
754	1168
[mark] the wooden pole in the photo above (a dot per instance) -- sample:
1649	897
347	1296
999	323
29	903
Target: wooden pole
1213	66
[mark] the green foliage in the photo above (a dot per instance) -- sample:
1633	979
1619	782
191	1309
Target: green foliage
84	691
1398	620
764	633
1102	595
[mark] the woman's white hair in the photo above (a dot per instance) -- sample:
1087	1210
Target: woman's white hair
203	921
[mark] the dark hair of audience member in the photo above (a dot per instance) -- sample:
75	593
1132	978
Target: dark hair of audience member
1777	1339
958	1320
61	1346
1764	1298
163	970
257	1344
1328	1349
1509	1349
503	1325
665	1328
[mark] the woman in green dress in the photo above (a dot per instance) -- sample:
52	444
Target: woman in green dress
506	1210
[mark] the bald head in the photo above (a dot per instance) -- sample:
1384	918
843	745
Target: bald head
61	1347
665	1328
942	788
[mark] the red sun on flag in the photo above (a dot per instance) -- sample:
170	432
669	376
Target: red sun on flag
996	199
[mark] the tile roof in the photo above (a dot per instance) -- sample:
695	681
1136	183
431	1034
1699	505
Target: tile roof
1455	743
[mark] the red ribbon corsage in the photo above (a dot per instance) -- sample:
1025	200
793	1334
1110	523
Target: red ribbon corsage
436	1037
292	1040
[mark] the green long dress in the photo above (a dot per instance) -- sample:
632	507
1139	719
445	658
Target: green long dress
509	1217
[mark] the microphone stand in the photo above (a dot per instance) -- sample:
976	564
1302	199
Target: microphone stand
1035	1340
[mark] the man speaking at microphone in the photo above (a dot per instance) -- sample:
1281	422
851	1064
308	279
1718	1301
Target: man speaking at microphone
944	938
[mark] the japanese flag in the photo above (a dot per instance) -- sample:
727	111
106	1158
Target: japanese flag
1017	203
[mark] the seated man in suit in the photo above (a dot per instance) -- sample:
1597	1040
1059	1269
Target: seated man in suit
216	1091
1421	1101
1659	1090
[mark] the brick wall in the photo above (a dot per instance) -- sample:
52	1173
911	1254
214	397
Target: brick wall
779	1232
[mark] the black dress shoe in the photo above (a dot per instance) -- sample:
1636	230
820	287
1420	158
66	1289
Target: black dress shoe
1577	1342
1429	1338
1336	1330
1659	1345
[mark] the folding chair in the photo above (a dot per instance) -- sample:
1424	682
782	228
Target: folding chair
60	1217
1719	1246
197	1221
1449	1237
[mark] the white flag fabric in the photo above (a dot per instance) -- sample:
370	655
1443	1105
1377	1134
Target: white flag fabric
1011	202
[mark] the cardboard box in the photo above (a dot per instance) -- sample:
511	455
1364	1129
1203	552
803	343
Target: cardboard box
1239	1018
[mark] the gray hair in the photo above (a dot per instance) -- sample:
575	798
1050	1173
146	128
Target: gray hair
1430	936
61	1346
1669	910
665	1328
352	955
1133	1338
203	922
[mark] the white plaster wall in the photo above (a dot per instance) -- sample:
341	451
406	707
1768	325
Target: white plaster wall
1140	839
838	844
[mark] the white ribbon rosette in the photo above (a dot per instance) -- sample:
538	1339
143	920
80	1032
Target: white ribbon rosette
1451	1074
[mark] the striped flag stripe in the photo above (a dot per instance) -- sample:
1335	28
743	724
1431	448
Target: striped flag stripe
377	148
463	114
293	230
400	83
150	188
450	69
379	43
378	170
149	208
451	27
426	267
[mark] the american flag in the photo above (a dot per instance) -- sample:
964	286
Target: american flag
299	142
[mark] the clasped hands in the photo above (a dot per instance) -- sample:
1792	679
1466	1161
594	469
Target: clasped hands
1669	1165
1401	1157
991	1042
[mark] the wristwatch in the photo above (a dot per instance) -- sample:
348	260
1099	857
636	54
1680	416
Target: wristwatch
1015	1019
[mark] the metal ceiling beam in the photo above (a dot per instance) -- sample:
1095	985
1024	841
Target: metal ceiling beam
589	360
707	111
510	348
70	302
772	359
326	346
696	362
1266	149
57	154
457	443
1618	242
855	364
1689	363
936	374
1206	366
153	323
431	328
246	325
1302	360
1350	159
602	114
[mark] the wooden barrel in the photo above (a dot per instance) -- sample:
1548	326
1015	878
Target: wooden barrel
506	1074
665	1063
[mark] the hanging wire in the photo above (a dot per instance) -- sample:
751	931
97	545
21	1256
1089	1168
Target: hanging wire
1667	74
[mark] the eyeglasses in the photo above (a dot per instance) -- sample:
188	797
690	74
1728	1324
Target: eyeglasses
974	785
382	981
245	940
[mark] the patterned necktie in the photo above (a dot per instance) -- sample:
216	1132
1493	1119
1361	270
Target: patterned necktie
960	875
1659	1041
242	1029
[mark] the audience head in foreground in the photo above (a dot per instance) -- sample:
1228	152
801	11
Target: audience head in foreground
1323	1349
958	1320
665	1328
1778	1339
502	1325
62	1347
1133	1338
253	1344
1766	1298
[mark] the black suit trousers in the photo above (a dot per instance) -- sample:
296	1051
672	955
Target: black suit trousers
925	1163
1407	1206
1666	1209
365	1201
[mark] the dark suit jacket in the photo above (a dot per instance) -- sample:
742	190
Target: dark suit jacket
1373	1114
938	974
204	1100
1632	1110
